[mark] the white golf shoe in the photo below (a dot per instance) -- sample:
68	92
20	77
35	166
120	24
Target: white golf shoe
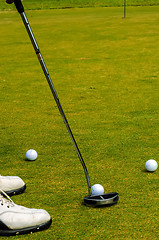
12	185
16	219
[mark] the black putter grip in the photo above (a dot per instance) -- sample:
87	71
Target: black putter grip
19	6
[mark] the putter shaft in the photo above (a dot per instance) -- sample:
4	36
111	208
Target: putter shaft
42	63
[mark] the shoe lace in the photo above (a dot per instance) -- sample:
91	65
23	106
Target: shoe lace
5	199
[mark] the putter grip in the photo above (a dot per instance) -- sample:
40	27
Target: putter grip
19	6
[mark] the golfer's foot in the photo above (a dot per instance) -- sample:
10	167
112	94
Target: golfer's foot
16	219
12	185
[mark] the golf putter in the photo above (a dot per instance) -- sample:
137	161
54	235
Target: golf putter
91	200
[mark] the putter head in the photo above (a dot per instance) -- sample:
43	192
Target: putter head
104	200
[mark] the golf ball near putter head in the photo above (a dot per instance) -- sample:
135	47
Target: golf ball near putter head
151	165
31	155
97	189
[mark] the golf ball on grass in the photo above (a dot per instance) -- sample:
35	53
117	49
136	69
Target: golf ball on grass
97	189
31	155
151	165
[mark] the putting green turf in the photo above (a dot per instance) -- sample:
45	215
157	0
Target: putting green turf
105	70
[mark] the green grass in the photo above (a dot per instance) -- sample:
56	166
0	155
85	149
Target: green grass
105	71
52	4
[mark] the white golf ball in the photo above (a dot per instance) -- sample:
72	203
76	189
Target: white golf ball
151	165
31	154
97	189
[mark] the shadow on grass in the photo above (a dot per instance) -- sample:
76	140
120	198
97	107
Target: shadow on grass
27	160
145	171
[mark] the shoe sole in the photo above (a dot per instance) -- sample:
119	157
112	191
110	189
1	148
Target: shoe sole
14	232
16	191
